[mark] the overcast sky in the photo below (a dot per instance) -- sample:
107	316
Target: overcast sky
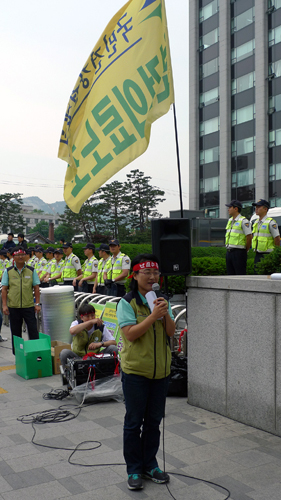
43	48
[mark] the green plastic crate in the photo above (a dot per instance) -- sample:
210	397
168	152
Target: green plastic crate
33	357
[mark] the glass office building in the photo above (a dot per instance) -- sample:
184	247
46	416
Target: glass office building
235	103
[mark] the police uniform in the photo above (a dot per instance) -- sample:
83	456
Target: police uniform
264	233
235	241
89	267
114	268
70	268
100	281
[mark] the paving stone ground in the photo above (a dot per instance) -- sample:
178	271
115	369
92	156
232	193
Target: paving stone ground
197	443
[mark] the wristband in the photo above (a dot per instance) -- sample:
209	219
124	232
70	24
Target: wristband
38	304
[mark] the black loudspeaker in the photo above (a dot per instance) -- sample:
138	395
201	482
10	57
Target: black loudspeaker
171	243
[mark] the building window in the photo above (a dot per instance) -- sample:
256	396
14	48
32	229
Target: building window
274	36
275	172
209	39
242	83
209	185
209	97
275	68
209	155
243	115
209	68
36	221
244	178
243	20
274	3
27	221
210	126
243	51
244	146
274	103
208	11
275	138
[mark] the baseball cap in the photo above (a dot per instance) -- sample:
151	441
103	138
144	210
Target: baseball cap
39	249
91	246
261	203
3	252
50	250
67	244
58	250
234	203
104	247
113	242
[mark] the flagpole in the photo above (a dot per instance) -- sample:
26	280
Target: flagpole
178	159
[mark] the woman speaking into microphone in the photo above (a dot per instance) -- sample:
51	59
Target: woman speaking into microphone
145	362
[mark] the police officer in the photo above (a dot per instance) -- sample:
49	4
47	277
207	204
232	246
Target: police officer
17	295
53	276
116	270
266	234
237	240
89	268
104	254
72	266
32	258
4	262
41	261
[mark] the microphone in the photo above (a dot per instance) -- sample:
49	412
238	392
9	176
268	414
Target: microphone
151	296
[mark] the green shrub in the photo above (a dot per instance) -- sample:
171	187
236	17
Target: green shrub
271	263
208	266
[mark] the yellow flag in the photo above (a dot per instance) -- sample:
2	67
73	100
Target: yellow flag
124	86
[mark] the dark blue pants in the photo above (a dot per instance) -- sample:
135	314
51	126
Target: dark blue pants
145	407
17	315
236	262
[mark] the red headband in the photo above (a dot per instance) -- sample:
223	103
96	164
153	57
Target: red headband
18	252
146	265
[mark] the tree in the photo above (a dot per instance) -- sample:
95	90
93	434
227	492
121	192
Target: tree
64	231
112	196
141	200
42	227
10	213
91	220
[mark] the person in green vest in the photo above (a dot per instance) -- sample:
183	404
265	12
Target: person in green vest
266	234
116	270
54	273
41	261
86	281
238	239
72	267
146	366
104	255
19	282
89	336
49	252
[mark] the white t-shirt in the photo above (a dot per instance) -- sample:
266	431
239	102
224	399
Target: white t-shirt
106	335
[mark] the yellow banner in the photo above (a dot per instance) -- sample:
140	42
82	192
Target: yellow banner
125	85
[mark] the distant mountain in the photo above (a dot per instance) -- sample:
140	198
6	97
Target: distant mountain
48	208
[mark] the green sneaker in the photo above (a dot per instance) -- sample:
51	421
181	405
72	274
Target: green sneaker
157	476
135	482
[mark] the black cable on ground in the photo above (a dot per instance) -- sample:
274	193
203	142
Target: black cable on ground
63	414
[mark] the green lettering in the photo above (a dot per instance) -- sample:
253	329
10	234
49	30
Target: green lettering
80	183
150	81
102	118
101	162
93	143
163	95
128	87
138	126
164	58
121	146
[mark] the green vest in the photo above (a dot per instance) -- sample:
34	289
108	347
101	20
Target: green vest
47	265
114	270
81	341
68	271
235	236
87	269
31	261
101	268
150	354
263	240
20	290
56	269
